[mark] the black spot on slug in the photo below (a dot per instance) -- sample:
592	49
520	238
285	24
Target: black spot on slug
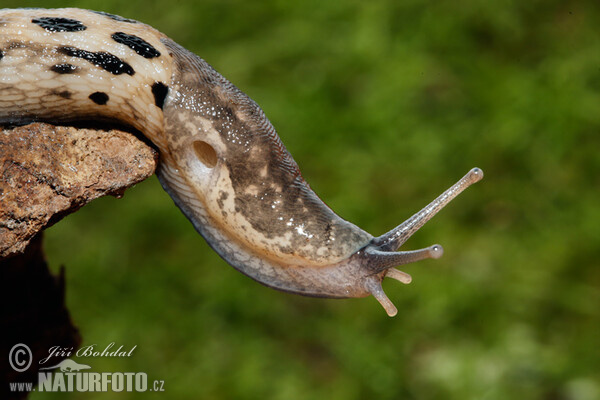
65	94
64	68
99	98
115	17
159	90
136	44
1	54
59	24
106	61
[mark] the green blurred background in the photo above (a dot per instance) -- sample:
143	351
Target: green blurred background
383	103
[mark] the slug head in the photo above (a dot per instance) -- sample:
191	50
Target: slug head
371	264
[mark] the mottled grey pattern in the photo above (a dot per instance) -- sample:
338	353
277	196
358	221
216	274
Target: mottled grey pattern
269	190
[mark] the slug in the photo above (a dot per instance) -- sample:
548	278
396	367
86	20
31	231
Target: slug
220	158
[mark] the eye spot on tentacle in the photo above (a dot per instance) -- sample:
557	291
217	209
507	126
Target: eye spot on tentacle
206	153
59	24
99	98
64	68
106	61
115	17
159	90
136	44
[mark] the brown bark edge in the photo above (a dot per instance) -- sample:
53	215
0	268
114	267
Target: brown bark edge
47	172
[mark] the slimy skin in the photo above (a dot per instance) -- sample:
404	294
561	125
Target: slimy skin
220	158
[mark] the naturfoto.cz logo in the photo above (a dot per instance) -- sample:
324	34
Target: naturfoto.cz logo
71	376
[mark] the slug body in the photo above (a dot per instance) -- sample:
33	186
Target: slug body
221	159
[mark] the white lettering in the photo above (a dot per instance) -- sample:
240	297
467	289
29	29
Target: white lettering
117	384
